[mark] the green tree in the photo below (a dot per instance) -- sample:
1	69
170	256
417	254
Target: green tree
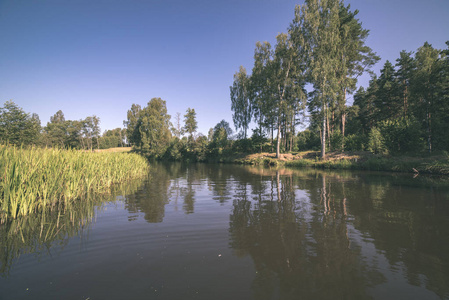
423	85
18	127
260	88
376	142
190	123
356	56
388	101
277	88
74	136
441	114
132	125
56	130
91	131
316	31
405	68
240	99
288	86
112	138
221	135
154	128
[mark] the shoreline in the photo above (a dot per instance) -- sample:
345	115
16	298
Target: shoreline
435	165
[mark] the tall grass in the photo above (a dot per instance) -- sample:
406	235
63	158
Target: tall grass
35	179
36	233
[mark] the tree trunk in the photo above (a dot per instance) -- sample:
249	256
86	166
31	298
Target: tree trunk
328	131
405	99
278	144
323	135
343	121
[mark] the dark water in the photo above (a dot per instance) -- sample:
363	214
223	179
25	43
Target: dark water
231	232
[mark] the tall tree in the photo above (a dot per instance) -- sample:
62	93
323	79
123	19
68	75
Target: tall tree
240	99
316	30
177	129
154	128
190	123
56	130
287	84
260	91
405	66
132	125
356	56
423	84
388	101
277	87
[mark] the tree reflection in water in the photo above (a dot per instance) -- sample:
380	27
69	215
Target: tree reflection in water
299	249
310	234
49	232
305	232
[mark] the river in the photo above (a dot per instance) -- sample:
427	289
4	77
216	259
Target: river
204	231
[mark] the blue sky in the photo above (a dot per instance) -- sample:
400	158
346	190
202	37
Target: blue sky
97	57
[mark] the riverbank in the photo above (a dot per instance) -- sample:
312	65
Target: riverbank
438	164
36	179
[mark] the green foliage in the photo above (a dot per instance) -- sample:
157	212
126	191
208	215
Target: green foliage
402	136
36	179
149	128
112	138
175	150
132	125
62	133
308	140
376	142
355	142
190	122
240	99
336	140
18	127
258	141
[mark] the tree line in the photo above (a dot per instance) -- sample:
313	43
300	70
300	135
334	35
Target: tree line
313	69
150	131
20	128
305	78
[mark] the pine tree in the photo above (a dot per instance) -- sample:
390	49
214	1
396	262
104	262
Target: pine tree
423	88
405	65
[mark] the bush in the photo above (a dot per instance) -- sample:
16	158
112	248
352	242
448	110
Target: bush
308	140
376	142
336	140
354	142
402	135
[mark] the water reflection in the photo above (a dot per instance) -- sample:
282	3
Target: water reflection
43	234
299	249
309	234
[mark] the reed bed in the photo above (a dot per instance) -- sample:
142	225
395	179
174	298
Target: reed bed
35	179
36	233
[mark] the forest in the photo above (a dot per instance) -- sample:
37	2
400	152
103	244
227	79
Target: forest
305	80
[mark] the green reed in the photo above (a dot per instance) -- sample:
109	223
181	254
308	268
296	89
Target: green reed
37	179
50	230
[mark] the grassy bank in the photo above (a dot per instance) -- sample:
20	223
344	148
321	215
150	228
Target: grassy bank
35	179
354	160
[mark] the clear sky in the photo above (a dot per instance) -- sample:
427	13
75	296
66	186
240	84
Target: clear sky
97	57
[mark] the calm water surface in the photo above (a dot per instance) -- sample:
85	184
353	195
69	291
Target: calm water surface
230	232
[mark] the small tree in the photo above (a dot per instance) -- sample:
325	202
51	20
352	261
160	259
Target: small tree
190	123
376	142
